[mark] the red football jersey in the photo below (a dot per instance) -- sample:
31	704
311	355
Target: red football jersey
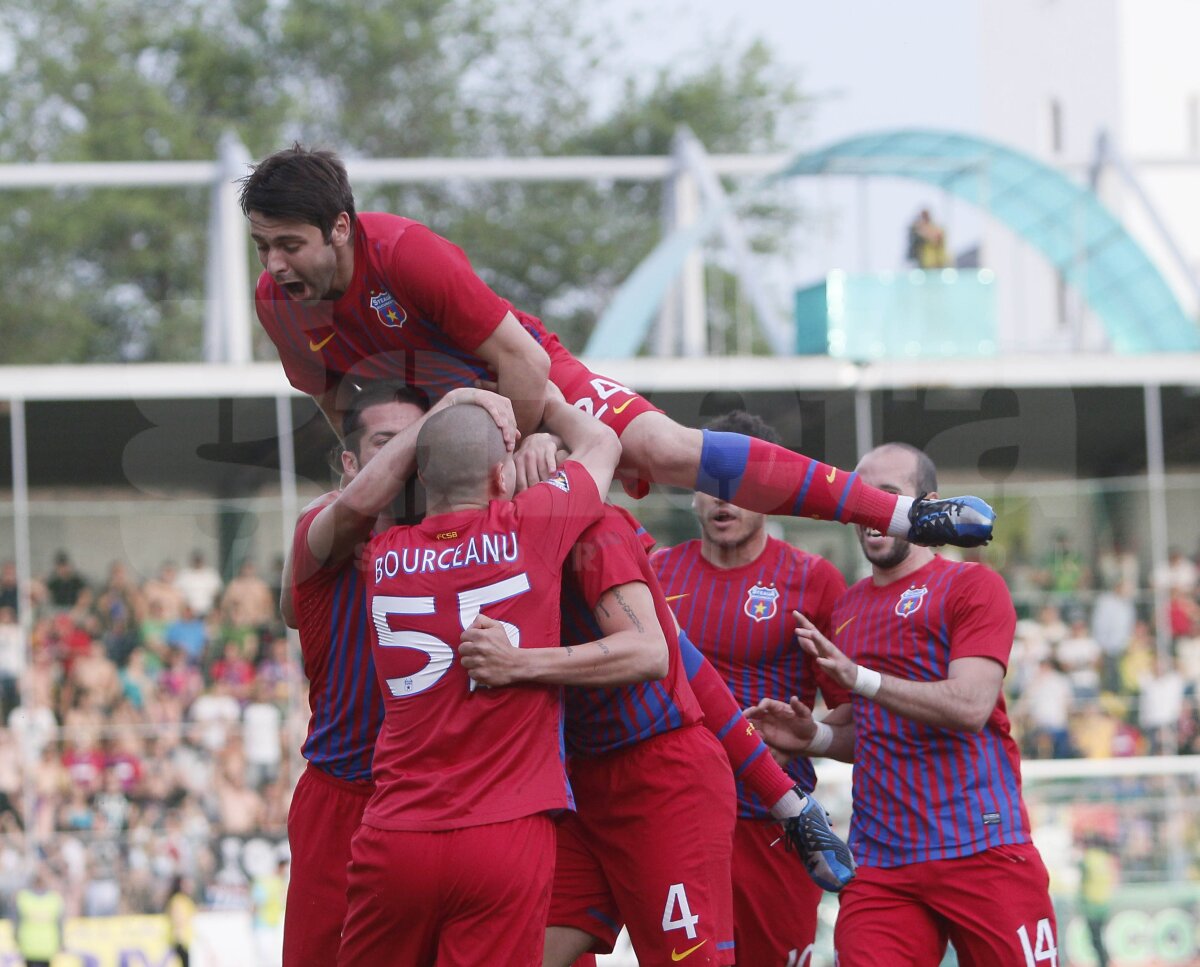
448	757
415	309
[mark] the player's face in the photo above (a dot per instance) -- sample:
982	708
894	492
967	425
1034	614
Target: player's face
894	471
380	423
724	525
297	257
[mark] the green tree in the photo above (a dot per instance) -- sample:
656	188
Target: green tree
109	274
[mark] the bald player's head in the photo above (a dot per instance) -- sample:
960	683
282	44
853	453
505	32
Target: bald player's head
458	450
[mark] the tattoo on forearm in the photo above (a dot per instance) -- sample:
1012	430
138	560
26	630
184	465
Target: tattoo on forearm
629	612
603	610
603	647
570	651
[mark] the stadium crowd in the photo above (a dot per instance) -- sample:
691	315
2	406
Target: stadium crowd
147	735
153	728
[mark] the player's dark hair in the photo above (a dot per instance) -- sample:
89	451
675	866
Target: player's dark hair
372	394
299	184
739	421
924	473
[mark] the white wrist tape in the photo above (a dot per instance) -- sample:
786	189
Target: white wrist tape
820	742
866	682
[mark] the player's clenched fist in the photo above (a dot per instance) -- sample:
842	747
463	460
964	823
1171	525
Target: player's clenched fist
487	654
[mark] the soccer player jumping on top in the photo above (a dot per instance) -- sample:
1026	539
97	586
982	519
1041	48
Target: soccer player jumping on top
347	296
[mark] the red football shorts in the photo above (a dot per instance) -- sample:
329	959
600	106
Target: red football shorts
650	846
774	899
324	814
607	400
993	906
457	898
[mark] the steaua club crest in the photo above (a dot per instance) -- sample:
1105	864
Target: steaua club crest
762	602
910	601
390	312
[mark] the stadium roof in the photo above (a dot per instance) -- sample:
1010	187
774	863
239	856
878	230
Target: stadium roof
144	381
1066	223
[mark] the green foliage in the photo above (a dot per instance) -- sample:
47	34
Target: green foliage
111	274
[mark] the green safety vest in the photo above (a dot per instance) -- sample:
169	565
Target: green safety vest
38	917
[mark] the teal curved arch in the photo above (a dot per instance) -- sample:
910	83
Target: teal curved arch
1066	223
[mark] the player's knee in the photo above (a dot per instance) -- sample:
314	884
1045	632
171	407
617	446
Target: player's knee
654	441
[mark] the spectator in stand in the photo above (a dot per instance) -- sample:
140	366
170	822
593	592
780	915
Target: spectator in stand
120	601
239	808
93	678
138	686
64	584
1079	656
1113	619
1183	613
1160	705
234	671
200	584
1094	729
12	661
164	592
1118	563
83	762
188	633
1138	660
1046	704
216	713
10	777
1063	571
9	594
279	672
262	721
1179	572
180	682
247	605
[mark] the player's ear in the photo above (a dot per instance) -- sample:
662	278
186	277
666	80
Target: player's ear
498	480
349	462
341	229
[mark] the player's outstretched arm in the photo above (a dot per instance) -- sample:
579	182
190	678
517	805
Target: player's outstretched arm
633	648
347	520
789	727
589	441
522	368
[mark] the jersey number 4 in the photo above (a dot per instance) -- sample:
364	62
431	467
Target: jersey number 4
440	655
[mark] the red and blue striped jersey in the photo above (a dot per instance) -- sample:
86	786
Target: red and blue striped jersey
449	757
922	792
345	707
741	620
602	720
415	310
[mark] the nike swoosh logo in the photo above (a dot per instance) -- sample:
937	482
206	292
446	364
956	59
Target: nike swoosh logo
831	475
618	410
676	597
687	953
316	347
839	628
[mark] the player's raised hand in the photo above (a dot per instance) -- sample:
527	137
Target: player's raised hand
786	727
498	407
827	654
488	656
536	459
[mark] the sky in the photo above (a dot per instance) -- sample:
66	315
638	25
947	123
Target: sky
870	65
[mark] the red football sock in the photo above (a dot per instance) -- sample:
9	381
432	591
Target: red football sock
770	479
